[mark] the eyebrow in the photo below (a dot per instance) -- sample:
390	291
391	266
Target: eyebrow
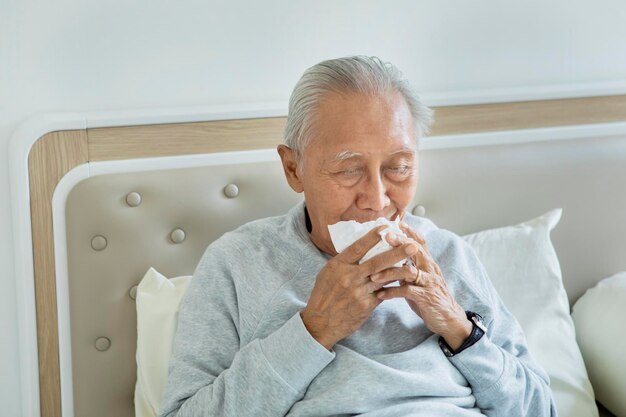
347	154
405	150
343	155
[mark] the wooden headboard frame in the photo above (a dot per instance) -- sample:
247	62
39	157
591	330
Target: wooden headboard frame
56	153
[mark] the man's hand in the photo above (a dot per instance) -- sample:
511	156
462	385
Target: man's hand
427	293
344	296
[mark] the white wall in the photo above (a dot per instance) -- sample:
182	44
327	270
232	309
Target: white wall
71	55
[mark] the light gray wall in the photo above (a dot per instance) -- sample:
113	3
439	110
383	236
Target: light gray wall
72	55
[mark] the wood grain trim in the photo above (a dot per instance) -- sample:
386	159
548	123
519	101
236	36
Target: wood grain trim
56	153
477	118
50	158
233	135
184	138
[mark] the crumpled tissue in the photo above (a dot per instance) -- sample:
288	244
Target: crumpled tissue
344	234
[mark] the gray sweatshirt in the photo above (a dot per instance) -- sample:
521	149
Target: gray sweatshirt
241	348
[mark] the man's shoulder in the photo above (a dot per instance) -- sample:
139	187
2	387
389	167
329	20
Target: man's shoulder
256	243
256	258
258	231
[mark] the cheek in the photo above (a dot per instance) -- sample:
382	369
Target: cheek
338	202
339	196
331	198
402	194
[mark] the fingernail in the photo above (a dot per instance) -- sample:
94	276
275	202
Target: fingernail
410	250
392	236
381	295
374	277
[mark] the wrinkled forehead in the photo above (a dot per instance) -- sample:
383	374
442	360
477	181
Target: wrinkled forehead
353	127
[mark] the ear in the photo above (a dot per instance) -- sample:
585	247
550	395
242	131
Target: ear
290	166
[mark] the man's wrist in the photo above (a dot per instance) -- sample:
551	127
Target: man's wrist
460	335
319	336
477	332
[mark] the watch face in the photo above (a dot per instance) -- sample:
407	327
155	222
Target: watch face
479	323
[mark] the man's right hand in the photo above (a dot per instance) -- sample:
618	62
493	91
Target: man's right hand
344	296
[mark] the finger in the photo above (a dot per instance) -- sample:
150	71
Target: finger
411	292
399	214
372	287
426	259
428	280
412	233
370	298
359	248
422	278
425	262
388	259
395	240
416	279
434	266
404	273
420	260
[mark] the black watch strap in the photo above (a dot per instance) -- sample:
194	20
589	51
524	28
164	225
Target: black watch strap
478	330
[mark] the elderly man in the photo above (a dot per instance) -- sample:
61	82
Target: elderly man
275	322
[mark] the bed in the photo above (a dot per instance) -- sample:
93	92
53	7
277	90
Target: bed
99	198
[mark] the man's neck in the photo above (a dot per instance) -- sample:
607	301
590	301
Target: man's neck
319	245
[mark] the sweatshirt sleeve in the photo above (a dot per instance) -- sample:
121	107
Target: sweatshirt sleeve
210	374
505	379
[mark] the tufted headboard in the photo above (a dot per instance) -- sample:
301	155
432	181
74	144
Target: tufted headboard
107	203
121	224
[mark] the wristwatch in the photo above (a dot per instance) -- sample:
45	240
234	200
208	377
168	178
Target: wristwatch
478	330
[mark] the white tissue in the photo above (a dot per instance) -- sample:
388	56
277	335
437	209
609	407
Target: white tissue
344	234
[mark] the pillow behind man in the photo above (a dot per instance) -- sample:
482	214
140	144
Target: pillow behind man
157	301
524	269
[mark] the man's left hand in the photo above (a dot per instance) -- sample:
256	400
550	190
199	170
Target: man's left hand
428	294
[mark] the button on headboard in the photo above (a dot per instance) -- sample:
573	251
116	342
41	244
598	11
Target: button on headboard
119	225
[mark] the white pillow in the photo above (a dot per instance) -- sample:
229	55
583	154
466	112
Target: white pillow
157	312
524	269
599	318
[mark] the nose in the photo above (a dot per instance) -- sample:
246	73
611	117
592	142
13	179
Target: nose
373	195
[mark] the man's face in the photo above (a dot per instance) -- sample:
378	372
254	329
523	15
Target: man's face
361	163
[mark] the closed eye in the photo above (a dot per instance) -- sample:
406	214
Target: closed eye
351	172
400	170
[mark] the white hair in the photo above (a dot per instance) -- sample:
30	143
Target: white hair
353	74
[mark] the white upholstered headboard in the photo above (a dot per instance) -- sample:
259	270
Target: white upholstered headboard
169	192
